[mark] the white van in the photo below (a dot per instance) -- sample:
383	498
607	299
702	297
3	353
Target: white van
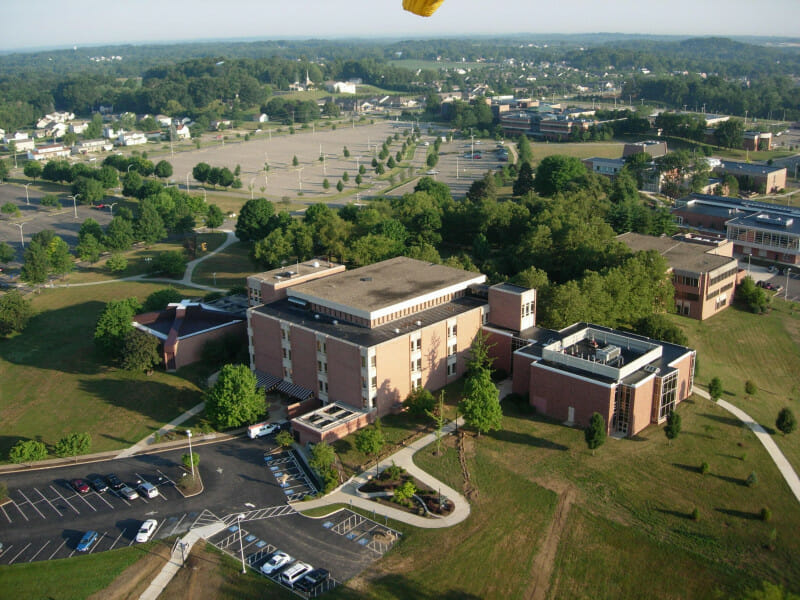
295	573
262	429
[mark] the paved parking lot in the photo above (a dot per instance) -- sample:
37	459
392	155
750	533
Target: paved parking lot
291	477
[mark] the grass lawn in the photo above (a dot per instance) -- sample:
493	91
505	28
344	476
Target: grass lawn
631	512
736	345
54	362
579	150
74	578
232	266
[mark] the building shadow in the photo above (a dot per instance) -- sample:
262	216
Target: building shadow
732	421
514	437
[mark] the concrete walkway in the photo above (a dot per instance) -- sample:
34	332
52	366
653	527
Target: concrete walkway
150	439
348	494
766	440
176	561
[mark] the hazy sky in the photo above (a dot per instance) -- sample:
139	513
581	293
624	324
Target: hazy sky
47	23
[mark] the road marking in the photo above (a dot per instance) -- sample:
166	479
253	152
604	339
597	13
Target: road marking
160	525
40	549
176	525
71	553
65	500
97	543
20	511
87	502
11	562
116	540
32	504
104	500
5	513
60	514
7	549
118	495
57	549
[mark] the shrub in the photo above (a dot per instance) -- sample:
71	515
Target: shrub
766	514
786	421
393	472
405	492
752	479
284	439
695	514
750	387
117	263
27	451
419	402
704	468
187	462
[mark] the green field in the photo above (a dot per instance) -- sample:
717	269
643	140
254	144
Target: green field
232	266
53	363
736	345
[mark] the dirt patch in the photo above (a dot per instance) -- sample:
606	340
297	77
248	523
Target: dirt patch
544	562
135	579
200	578
466	449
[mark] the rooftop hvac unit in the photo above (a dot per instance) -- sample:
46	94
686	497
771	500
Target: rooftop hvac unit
396	330
418	323
335	322
652	369
315	264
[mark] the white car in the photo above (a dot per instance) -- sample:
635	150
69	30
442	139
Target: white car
432	172
148	490
276	561
146	530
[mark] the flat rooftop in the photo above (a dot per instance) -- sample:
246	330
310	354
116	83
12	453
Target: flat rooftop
296	271
750	168
329	416
384	284
775	223
681	256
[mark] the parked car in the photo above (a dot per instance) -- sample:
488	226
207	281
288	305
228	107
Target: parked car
147	529
148	490
295	573
262	429
278	560
432	172
114	482
312	579
129	493
99	485
87	541
80	486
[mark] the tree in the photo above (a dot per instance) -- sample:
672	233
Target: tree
770	591
438	421
26	451
673	426
131	183
11	209
89	248
322	457
139	351
90	190
149	226
119	234
163	169
659	327
295	162
7	253
36	263
715	389
595	433
479	354
200	172
359	179
254	220
326	185
190	461
405	492
370	442
214	217
339	185
481	403
117	263
74	444
346	152
113	325
15	312
524	181
235	399
50	200
159	299
170	264
226	177
345	177
419	402
284	439
3	170
524	151
750	387
730	133
555	173
59	257
786	421
33	169
752	296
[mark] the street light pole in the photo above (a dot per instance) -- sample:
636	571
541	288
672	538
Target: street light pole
191	457
27	199
21	239
74	204
111	207
239	518
187	182
786	291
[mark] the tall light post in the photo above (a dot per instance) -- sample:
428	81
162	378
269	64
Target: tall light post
21	239
187	182
191	456
252	183
786	291
111	207
205	197
748	263
27	199
129	168
74	203
239	518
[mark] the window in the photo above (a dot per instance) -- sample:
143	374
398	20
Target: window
452	350
285	353
373	361
321	347
452	330
363	362
374	382
669	389
620	421
451	369
416	344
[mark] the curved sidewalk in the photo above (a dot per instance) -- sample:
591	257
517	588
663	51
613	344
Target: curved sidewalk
766	440
347	493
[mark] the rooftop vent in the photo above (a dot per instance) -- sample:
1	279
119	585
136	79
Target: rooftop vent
418	323
316	316
396	330
652	369
315	264
335	322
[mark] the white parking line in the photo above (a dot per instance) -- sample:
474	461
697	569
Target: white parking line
57	549
37	553
11	562
118	495
176	524
5	514
104	500
97	543
64	499
20	511
31	503
160	525
165	477
116	540
7	549
60	514
87	502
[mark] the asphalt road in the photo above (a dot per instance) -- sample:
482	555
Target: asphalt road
47	518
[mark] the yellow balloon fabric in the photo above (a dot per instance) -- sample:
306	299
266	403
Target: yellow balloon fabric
423	8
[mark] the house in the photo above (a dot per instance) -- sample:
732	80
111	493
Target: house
704	272
182	132
49	152
16	137
630	380
341	87
261	118
110	133
154	136
22	145
185	327
78	128
768	231
163	120
610	167
86	146
218	125
759	176
132	139
651	147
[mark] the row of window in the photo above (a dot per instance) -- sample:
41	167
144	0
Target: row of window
729	273
764	238
686	280
716	293
527	308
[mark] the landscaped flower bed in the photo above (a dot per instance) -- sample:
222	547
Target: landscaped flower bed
406	493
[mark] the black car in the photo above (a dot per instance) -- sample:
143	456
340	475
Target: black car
114	482
99	485
310	582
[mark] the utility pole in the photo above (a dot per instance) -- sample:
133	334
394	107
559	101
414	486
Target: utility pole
187	182
300	177
74	204
21	239
27	199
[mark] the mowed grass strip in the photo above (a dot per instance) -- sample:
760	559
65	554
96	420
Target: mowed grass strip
737	345
55	383
232	266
